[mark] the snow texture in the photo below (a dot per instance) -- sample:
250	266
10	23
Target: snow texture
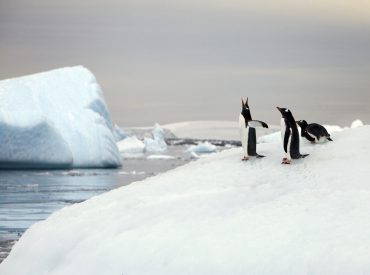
55	119
219	215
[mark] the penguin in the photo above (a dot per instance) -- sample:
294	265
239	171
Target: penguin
248	132
290	136
313	132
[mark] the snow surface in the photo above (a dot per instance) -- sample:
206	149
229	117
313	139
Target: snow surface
55	119
219	215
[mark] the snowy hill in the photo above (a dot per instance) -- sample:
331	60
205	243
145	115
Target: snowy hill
55	119
219	215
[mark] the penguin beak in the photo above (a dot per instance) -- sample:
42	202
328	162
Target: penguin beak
279	109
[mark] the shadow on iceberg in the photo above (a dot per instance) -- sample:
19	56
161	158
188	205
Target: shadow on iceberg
37	146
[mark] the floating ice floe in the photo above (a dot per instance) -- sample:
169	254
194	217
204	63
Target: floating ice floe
202	148
155	157
132	173
131	145
55	119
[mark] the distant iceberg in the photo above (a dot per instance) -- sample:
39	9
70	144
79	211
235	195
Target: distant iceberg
131	145
56	119
157	143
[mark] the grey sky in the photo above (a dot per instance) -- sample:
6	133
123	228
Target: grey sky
170	61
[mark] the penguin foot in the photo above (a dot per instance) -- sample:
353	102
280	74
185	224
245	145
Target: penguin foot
285	161
313	142
245	158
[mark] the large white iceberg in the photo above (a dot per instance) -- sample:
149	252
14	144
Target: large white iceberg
55	119
219	215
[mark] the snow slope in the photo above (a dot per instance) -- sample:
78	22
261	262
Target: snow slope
55	119
219	215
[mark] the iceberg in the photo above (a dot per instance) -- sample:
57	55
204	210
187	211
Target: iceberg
157	143
119	133
55	119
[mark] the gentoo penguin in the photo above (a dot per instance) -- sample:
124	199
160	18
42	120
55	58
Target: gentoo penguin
313	132
290	136
248	131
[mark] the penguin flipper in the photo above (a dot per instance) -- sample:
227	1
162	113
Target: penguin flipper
259	156
329	138
257	123
304	155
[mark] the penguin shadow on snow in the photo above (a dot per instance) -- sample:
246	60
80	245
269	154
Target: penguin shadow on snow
248	132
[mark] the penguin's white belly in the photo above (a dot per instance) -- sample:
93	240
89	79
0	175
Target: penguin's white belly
283	128
322	139
288	147
313	136
244	135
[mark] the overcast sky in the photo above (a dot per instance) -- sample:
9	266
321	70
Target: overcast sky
167	61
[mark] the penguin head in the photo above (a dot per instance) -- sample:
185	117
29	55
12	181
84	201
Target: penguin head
285	112
302	123
246	113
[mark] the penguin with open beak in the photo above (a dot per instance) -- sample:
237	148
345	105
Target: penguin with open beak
248	132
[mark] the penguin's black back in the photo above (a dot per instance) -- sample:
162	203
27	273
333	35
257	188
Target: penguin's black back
317	130
294	144
252	142
294	140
